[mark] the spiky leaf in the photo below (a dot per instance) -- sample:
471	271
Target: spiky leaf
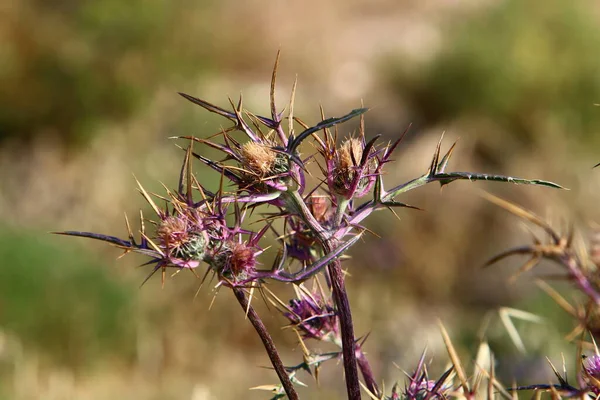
327	123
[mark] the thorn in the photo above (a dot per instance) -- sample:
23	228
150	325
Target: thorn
436	156
148	198
291	111
274	114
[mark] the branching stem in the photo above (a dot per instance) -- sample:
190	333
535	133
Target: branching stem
340	297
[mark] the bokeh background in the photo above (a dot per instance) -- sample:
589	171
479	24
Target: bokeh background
88	99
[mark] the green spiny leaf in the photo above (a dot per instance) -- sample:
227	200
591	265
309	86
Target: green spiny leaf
446	178
327	123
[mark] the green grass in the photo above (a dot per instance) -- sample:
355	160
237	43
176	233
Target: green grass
60	299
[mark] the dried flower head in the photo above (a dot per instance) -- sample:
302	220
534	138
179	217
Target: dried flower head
259	158
232	259
349	155
353	171
264	169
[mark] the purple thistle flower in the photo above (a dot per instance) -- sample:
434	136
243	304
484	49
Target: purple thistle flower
234	261
591	365
591	373
420	387
182	238
352	168
188	234
263	163
314	317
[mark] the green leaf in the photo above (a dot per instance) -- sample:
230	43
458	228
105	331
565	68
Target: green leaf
326	123
446	178
105	238
209	107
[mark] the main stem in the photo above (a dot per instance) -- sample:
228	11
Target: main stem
268	343
297	205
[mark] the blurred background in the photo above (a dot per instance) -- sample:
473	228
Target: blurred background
89	98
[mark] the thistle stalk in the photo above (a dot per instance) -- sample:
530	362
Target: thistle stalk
270	348
340	210
347	328
340	296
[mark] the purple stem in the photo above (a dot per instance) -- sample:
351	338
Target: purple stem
268	343
297	205
347	329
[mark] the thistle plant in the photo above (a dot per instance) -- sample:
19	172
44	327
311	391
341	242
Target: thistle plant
203	229
579	266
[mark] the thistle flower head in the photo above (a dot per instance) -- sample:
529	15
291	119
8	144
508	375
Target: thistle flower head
591	373
314	316
349	154
353	170
264	163
261	159
233	261
420	387
181	237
